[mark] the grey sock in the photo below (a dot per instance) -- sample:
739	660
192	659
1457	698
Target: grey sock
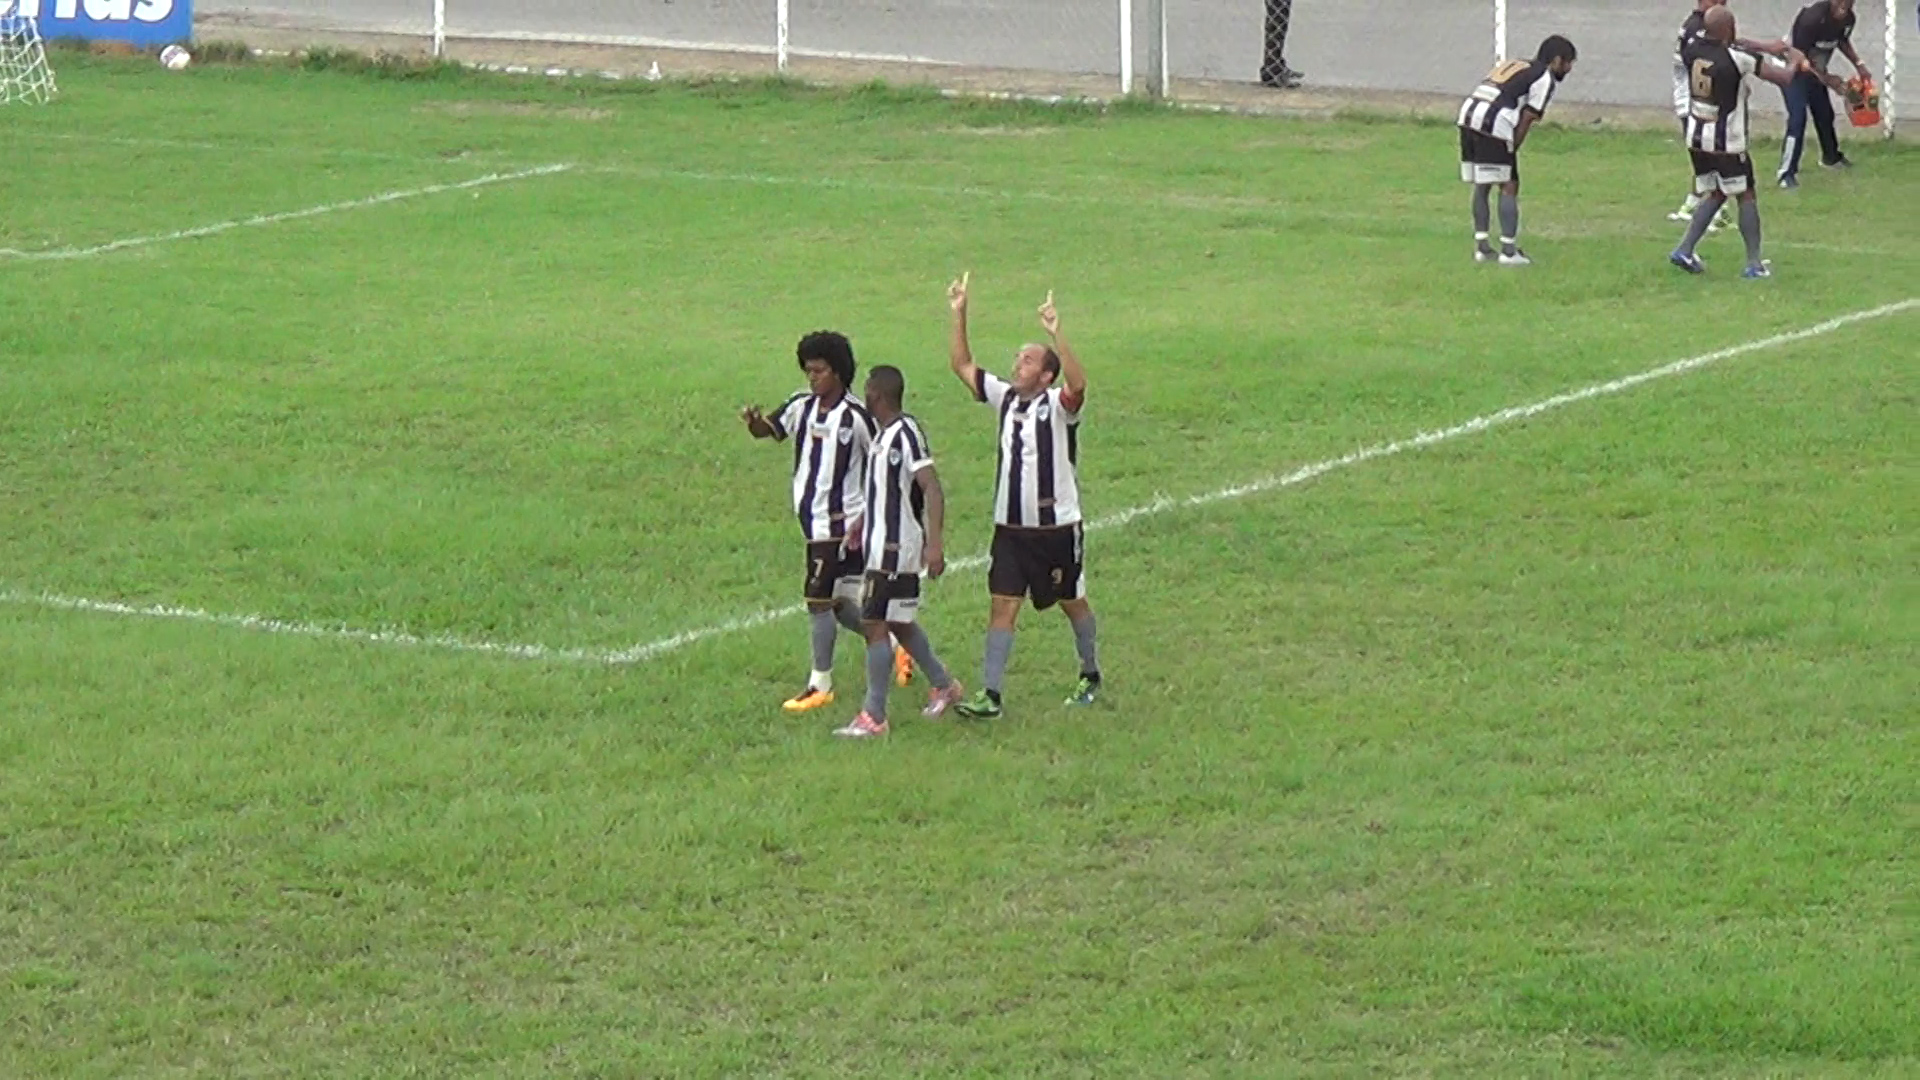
848	617
917	646
1083	640
999	651
879	677
1750	229
1482	211
1702	217
1509	222
823	633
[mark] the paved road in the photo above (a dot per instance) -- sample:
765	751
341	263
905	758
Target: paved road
1434	45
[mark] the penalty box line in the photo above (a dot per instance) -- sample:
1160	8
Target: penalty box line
64	253
653	649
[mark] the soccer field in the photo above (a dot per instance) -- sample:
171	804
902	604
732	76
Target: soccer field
394	616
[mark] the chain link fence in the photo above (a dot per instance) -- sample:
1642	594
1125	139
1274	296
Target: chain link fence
1438	47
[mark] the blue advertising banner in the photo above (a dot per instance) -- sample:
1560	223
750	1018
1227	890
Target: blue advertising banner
136	22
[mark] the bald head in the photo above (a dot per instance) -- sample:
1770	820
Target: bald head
1720	24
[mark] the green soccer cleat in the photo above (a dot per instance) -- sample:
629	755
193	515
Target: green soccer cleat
981	706
1085	691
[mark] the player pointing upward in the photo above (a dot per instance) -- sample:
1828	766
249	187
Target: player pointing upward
1037	548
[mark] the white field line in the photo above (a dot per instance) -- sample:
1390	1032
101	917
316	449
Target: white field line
246	149
274	219
1163	504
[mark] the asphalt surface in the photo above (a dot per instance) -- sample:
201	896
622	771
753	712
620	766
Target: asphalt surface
1419	45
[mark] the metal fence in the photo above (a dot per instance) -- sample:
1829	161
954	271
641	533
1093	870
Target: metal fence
1150	46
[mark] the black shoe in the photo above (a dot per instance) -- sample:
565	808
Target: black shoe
1840	162
1789	181
1284	79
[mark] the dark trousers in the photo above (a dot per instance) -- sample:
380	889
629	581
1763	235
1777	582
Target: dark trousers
1273	61
1807	94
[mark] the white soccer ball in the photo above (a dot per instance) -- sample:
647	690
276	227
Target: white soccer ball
175	58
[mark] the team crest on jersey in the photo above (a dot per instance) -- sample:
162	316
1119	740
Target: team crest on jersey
1044	412
846	435
893	457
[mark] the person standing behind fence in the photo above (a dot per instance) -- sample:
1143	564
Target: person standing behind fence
1274	71
1819	30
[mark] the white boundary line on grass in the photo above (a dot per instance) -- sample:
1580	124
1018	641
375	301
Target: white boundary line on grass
650	650
274	219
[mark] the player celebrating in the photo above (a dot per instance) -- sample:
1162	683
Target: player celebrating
1494	121
1819	29
906	514
1037	550
1717	131
1690	30
831	433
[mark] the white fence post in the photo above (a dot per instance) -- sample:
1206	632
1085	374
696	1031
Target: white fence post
1889	100
1126	47
780	34
1499	30
439	29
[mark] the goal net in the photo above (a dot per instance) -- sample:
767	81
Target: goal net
24	74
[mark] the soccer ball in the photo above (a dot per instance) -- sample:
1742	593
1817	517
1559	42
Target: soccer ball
175	58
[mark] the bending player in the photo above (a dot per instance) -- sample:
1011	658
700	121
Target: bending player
1494	122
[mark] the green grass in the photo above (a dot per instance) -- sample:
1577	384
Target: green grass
1580	747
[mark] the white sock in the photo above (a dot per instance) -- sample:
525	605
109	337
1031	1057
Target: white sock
821	680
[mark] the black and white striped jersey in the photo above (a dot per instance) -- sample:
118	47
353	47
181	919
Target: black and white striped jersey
829	461
1693	28
1037	483
1512	87
1717	82
896	526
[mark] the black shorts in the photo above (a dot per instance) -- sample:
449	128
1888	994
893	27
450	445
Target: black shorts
890	598
828	564
1045	564
1729	174
1487	160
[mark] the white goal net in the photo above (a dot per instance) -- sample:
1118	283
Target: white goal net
24	74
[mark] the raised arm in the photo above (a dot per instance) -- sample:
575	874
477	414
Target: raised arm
1071	373
1782	73
959	353
1777	47
936	556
